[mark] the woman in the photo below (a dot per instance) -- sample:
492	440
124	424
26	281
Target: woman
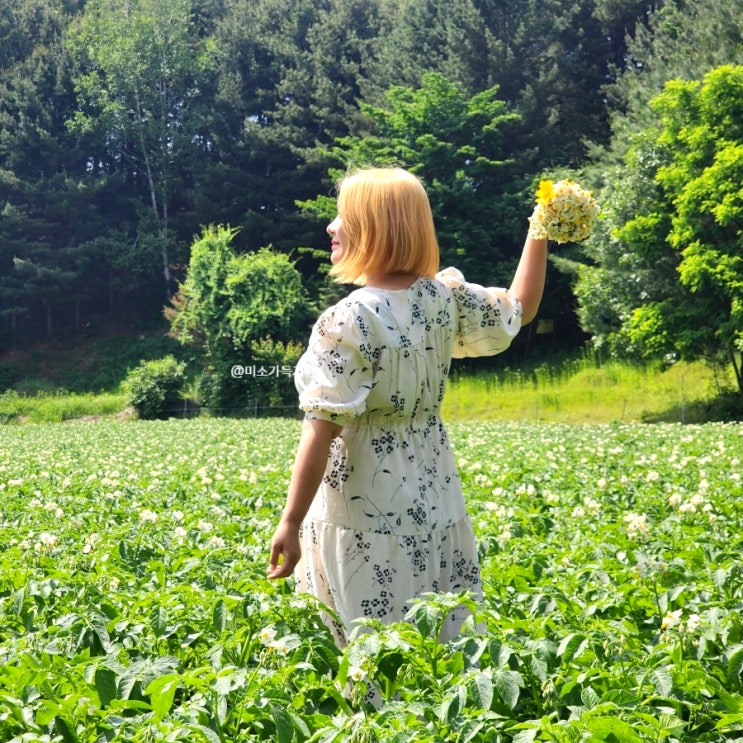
375	514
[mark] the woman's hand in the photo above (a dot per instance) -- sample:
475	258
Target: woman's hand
285	543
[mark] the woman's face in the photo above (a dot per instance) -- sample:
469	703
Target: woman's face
338	243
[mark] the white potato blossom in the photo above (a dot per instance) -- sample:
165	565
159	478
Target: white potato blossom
504	534
147	514
278	646
671	619
355	673
267	635
636	524
674	620
693	623
592	506
46	542
91	542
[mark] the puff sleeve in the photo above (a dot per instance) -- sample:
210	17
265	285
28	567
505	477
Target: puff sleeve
335	374
489	318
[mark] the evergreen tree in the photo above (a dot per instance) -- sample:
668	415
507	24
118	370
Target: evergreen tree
45	211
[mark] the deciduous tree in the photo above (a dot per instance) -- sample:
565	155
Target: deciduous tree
140	69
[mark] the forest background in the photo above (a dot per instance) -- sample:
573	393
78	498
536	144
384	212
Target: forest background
167	170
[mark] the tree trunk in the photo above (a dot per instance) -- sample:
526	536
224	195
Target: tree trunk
736	362
162	225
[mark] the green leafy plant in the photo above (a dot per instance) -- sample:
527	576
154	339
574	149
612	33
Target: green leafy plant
134	604
153	388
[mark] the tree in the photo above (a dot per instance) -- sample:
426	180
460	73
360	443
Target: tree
417	37
455	145
692	222
45	211
140	67
247	311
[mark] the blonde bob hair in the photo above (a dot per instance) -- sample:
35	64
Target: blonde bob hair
387	219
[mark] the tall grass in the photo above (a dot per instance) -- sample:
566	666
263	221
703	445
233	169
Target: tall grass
58	406
584	391
579	390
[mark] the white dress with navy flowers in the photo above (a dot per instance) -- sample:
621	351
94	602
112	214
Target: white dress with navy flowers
388	522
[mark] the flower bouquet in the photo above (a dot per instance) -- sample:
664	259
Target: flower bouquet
564	212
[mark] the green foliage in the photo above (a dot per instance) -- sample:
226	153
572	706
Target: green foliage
139	73
8	375
124	126
587	389
239	311
630	263
611	606
58	405
455	144
674	268
153	388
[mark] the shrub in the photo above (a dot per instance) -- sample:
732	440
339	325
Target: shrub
8	375
237	311
153	388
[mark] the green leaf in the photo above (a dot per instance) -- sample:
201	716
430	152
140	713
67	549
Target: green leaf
105	685
612	729
220	616
425	617
735	664
390	664
46	712
572	646
209	735
589	697
525	736
67	734
162	693
662	681
507	684
283	722
159	621
482	689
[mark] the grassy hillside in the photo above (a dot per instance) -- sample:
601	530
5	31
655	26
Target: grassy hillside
584	392
687	393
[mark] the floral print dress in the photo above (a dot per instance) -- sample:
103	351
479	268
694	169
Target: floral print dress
388	522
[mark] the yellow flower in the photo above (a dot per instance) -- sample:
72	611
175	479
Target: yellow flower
545	192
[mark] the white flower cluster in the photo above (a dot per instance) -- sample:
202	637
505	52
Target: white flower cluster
272	643
695	503
564	212
637	525
674	620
